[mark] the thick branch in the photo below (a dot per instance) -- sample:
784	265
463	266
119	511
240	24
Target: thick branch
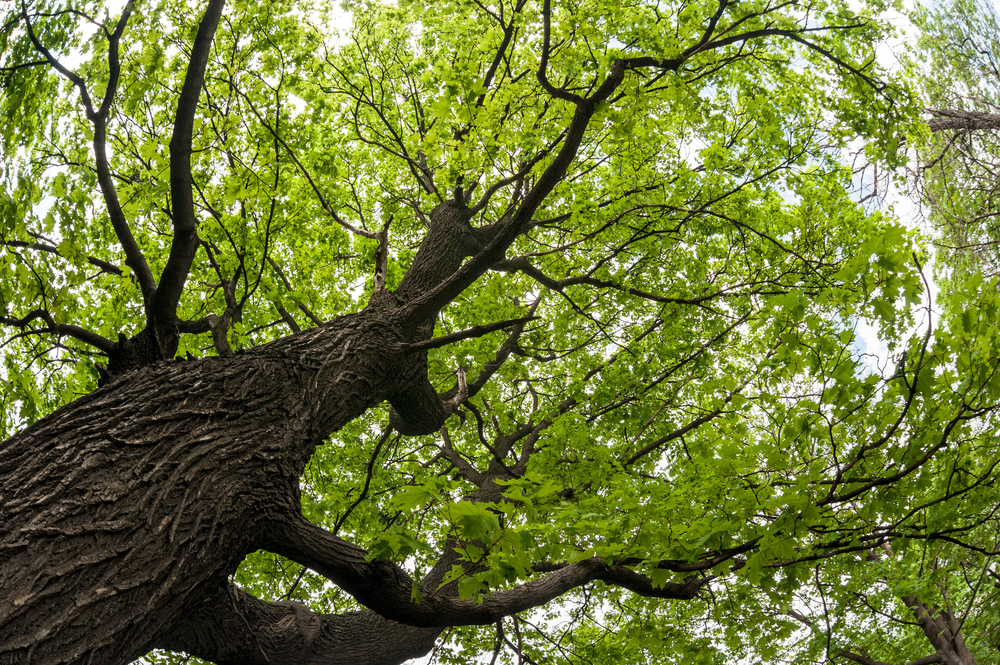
232	626
185	240
434	300
943	119
558	93
943	632
386	588
133	254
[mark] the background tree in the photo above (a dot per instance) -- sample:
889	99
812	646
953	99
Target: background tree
955	61
629	227
957	176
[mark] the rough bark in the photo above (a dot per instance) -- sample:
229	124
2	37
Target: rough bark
943	119
259	633
121	511
158	484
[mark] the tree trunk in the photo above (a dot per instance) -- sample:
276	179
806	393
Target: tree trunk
123	513
119	508
942	630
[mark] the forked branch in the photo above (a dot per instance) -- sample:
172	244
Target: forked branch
585	108
98	117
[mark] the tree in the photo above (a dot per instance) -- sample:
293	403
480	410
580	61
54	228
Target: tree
629	226
956	177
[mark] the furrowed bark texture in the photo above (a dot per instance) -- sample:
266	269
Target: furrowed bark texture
168	475
260	633
122	514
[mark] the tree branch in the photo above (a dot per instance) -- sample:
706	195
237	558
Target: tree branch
93	339
433	300
474	331
387	589
235	627
943	119
371	235
133	255
543	63
42	247
184	244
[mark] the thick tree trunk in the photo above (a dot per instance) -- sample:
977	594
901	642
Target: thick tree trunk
121	507
123	514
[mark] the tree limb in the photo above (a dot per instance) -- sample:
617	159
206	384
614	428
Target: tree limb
184	244
42	247
943	119
387	589
93	339
133	255
867	660
233	626
474	331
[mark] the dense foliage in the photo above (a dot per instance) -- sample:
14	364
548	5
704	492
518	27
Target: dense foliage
691	399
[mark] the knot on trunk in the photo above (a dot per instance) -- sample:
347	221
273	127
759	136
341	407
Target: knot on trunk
300	623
